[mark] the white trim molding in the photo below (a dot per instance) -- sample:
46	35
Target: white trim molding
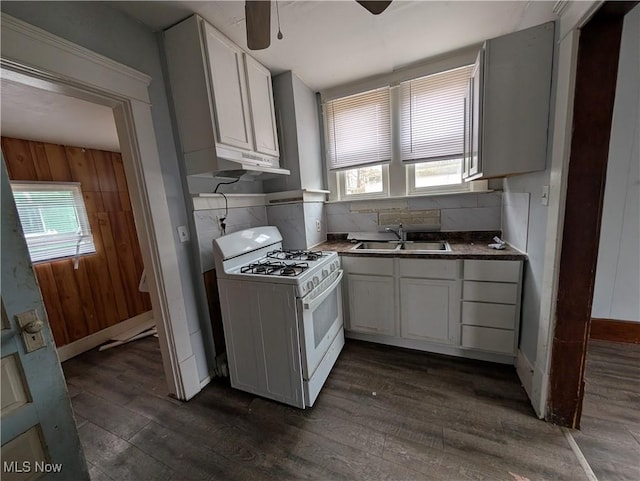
524	369
31	46
35	57
94	340
573	17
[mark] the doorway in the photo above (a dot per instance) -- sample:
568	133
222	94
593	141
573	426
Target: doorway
595	90
34	57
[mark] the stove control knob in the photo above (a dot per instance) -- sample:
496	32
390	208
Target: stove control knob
325	273
310	285
316	281
332	267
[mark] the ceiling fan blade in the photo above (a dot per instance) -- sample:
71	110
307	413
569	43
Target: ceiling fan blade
374	6
258	16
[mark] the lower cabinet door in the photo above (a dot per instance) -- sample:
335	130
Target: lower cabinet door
371	304
429	309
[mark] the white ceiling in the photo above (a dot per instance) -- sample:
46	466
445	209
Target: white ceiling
329	43
326	43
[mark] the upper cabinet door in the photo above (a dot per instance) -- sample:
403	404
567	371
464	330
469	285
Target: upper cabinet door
229	89
262	110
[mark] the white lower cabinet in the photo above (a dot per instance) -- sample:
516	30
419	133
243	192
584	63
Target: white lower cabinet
459	307
491	293
371	304
429	309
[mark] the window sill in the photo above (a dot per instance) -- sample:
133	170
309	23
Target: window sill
410	196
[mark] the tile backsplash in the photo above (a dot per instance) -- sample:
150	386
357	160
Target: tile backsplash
452	212
207	227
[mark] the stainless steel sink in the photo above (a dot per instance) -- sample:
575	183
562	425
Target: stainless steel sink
410	246
377	246
439	246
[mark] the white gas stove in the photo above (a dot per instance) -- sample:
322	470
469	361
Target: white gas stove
281	312
305	269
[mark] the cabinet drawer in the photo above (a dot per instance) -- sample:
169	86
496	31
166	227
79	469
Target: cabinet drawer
368	265
502	316
488	339
498	271
490	292
431	268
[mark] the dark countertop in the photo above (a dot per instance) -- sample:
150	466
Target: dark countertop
460	249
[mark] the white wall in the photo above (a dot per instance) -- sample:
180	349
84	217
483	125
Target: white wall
618	273
524	222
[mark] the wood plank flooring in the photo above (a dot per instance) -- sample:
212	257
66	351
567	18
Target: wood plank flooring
384	414
609	435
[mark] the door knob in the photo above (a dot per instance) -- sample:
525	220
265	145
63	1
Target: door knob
33	327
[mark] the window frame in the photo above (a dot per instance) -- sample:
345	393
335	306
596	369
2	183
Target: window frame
398	171
33	241
342	184
435	189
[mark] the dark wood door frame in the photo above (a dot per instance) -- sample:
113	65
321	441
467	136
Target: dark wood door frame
596	76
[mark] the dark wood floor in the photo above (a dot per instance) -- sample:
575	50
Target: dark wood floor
384	414
609	435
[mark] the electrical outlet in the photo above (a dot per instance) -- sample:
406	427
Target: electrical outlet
183	233
318	225
221	222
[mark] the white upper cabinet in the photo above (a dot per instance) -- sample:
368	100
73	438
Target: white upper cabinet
508	102
265	136
223	100
229	90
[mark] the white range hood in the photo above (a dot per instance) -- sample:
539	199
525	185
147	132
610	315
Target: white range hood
231	163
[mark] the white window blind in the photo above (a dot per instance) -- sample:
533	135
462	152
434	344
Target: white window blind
432	116
54	219
359	129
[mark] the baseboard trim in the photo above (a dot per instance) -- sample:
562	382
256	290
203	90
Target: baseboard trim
94	340
524	368
615	330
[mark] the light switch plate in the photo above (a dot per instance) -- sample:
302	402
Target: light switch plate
183	233
544	198
32	340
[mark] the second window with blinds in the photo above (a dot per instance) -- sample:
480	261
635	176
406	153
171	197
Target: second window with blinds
418	125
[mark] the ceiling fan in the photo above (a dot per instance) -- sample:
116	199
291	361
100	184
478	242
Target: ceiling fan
258	15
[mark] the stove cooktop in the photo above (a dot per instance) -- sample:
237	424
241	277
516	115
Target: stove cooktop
295	254
275	268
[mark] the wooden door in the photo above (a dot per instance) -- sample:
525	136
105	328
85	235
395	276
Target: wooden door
229	90
39	435
262	109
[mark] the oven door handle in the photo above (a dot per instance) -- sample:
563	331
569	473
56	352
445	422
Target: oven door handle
311	305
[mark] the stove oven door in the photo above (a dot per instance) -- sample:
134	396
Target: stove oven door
321	320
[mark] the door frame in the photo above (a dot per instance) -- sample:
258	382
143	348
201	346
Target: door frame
35	57
595	90
545	389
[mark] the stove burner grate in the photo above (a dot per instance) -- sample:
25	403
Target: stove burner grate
275	268
295	254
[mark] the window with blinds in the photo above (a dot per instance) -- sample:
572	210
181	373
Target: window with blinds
54	219
432	116
358	130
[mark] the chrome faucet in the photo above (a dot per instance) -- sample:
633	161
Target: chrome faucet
400	234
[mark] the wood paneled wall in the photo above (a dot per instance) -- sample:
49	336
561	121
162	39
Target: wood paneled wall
104	289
